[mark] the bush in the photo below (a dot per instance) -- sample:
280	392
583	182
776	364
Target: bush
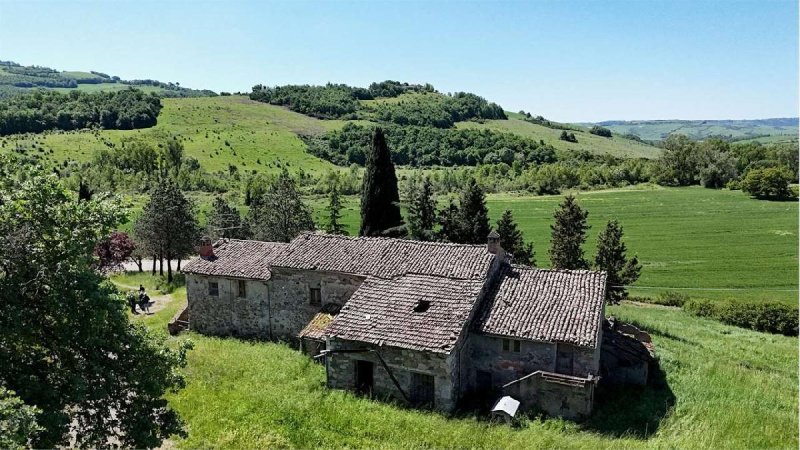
771	182
770	317
671	298
600	131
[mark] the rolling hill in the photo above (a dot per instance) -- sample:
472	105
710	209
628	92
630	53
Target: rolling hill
765	130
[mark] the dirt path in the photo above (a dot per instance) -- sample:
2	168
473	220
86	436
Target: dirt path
157	302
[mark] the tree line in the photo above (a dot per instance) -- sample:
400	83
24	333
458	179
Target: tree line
44	110
340	101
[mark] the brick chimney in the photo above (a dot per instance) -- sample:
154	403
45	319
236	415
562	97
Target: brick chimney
493	242
206	248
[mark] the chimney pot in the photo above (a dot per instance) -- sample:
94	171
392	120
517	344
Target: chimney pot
493	242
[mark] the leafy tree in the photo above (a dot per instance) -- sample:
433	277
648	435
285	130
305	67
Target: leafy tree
769	183
612	259
473	215
333	225
17	421
113	251
569	137
279	214
380	199
66	343
167	225
512	242
678	163
224	221
568	235
422	211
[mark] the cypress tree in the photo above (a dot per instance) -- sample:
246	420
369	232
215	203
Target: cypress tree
224	221
512	242
449	218
474	215
611	258
422	211
333	225
568	236
380	199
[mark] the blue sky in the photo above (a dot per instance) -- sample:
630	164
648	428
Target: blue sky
566	60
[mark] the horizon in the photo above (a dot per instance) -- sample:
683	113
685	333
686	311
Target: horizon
567	61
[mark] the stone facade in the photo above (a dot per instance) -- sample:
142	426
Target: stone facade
403	363
290	297
227	313
564	396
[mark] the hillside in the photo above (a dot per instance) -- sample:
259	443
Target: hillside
263	137
775	130
17	79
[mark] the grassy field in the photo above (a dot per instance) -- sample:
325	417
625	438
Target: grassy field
714	243
721	387
615	146
218	131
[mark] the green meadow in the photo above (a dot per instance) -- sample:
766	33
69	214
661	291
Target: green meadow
718	387
707	243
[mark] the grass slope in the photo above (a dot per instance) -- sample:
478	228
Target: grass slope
254	131
695	238
722	387
615	146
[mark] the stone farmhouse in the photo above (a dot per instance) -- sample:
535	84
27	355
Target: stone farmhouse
429	324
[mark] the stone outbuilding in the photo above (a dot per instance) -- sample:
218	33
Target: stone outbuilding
429	324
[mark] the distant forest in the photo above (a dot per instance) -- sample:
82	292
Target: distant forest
340	101
47	110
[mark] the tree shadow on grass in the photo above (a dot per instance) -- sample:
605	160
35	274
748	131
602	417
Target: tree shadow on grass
632	411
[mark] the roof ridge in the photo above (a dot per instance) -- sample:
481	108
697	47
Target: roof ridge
384	238
551	269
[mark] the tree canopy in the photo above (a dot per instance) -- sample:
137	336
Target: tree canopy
66	342
568	235
380	198
279	214
512	241
611	257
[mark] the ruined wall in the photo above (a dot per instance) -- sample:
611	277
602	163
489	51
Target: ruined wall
290	307
536	393
402	362
487	354
228	314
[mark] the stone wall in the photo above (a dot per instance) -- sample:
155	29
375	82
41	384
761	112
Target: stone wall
228	314
487	354
290	307
402	362
571	399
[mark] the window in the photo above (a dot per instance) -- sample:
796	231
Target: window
315	296
508	344
242	291
213	288
422	389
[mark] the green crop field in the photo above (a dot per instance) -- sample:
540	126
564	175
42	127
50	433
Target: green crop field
242	394
616	146
709	243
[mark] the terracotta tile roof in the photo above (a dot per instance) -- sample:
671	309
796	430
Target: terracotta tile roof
385	257
319	323
240	259
390	312
545	305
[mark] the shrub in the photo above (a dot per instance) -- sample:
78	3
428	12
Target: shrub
600	131
770	317
671	298
772	182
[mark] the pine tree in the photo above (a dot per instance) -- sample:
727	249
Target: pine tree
224	221
279	214
474	216
612	259
333	225
422	211
568	236
449	221
380	199
512	242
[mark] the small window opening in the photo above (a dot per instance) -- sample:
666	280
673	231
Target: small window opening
422	306
242	289
315	296
213	289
